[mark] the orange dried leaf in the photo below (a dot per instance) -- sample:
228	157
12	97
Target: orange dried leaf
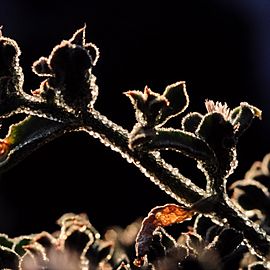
170	214
160	216
4	148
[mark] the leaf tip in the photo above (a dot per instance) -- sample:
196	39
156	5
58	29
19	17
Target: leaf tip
256	111
79	36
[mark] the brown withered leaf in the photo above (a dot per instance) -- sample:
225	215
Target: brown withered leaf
160	216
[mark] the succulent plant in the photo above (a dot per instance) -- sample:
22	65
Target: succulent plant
65	102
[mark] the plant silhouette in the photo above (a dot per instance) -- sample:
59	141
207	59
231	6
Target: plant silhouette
65	102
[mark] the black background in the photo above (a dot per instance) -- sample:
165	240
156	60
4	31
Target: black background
221	48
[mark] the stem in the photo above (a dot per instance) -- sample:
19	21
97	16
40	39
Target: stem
217	185
32	106
161	173
257	238
171	181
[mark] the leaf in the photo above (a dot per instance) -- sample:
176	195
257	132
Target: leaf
178	99
46	240
78	37
257	266
216	131
202	225
70	222
225	247
5	241
19	244
100	251
37	255
28	261
191	122
251	194
66	59
160	216
41	67
93	50
242	116
153	109
156	249
9	57
174	139
148	106
266	165
137	100
76	241
194	242
11	75
8	259
169	214
26	136
260	171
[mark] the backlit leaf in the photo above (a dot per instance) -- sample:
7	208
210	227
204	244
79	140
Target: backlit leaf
160	216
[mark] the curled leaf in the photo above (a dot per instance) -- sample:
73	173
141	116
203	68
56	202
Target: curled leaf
242	116
260	171
265	167
250	195
76	231
160	216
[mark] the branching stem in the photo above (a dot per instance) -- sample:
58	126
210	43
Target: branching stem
175	184
161	173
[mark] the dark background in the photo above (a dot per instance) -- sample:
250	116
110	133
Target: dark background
221	48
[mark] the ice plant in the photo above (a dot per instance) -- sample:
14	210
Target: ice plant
65	102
